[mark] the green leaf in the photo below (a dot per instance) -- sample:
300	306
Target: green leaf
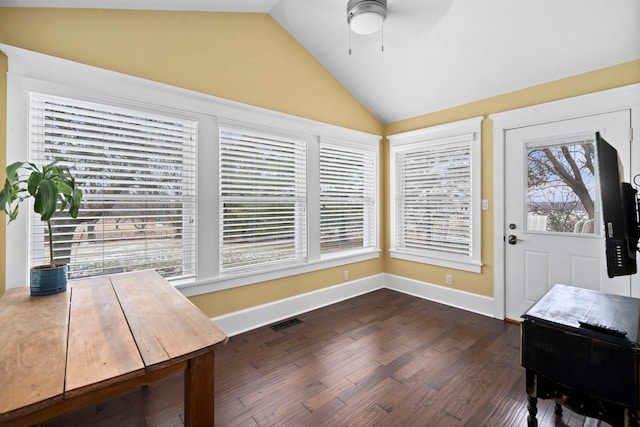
46	200
76	200
12	172
34	182
6	195
13	213
65	186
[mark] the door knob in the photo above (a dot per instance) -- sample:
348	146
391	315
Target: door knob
512	239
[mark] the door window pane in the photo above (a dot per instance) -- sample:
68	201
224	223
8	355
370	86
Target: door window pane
561	187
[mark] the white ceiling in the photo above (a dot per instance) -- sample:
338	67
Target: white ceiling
438	53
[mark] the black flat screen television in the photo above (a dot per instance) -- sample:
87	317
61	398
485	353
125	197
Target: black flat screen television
619	211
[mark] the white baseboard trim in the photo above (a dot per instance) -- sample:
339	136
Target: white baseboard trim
251	318
452	297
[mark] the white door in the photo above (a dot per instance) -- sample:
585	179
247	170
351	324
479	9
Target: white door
553	227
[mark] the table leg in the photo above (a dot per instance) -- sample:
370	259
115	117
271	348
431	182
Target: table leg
198	391
532	399
558	409
532	421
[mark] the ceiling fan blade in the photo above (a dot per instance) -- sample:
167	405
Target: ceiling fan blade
408	20
327	19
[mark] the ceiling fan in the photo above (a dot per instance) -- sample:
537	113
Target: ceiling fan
408	19
323	27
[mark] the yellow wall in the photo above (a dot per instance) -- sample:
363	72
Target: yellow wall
3	161
607	78
244	57
249	58
240	56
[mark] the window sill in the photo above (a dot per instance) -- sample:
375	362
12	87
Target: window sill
199	287
465	265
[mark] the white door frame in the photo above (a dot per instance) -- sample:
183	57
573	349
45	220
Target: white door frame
626	97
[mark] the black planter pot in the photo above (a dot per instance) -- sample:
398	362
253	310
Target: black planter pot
47	280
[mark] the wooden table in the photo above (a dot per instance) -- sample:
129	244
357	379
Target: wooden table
104	336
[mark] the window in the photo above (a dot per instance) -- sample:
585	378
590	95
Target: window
137	173
347	199
263	198
436	195
145	152
561	196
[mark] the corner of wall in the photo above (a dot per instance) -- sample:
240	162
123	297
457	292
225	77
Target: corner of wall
4	65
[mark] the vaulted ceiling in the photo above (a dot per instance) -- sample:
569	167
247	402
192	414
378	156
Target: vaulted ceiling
437	53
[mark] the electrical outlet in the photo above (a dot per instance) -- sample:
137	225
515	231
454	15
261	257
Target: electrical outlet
449	279
345	275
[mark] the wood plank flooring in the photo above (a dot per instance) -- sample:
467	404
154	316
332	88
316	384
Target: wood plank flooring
381	359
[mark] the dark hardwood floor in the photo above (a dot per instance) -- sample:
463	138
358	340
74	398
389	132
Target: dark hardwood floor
381	359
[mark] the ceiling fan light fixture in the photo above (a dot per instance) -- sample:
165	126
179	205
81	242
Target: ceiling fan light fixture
366	16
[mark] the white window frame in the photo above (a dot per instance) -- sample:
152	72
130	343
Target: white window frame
35	72
469	129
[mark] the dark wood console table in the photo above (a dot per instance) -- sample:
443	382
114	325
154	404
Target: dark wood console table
591	372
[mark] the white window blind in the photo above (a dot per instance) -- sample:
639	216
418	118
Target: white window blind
263	218
434	197
347	195
137	172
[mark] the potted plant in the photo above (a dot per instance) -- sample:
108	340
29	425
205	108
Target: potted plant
53	189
